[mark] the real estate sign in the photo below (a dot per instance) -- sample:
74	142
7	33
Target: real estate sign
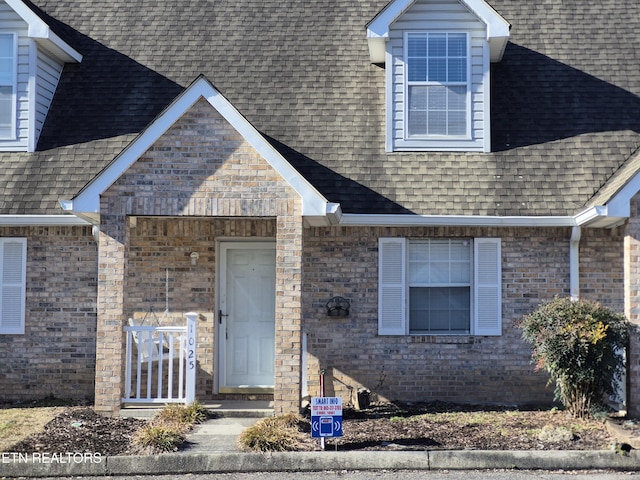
326	417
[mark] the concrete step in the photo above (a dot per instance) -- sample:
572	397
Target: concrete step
225	409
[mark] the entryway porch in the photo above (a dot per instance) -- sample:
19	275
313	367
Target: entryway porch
160	271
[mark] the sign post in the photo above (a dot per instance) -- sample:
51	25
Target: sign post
326	417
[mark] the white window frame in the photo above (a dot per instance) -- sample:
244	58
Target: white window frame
14	87
407	84
13	281
429	283
393	288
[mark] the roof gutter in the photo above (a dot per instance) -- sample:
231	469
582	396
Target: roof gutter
354	219
41	220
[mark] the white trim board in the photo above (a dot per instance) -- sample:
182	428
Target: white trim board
41	220
39	30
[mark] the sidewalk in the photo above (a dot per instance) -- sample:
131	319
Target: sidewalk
212	447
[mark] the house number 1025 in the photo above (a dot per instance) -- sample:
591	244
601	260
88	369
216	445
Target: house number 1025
191	352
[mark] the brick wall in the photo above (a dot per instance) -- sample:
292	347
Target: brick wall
159	254
632	303
56	354
535	261
203	169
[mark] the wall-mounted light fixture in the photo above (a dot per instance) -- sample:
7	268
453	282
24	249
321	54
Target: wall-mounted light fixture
194	258
338	307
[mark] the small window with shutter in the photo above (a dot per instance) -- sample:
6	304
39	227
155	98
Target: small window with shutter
439	286
13	265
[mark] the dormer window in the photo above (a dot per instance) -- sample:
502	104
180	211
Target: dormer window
32	57
437	85
7	85
437	56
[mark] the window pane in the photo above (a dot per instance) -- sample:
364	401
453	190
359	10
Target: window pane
437	98
460	251
437	70
419	309
437	123
6	71
417	110
417	122
417	70
418	98
418	261
457	45
5	106
417	45
457	70
439	250
439	310
419	251
437	45
457	123
439	272
457	98
6	59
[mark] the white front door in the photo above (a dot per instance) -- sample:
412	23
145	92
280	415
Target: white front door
247	316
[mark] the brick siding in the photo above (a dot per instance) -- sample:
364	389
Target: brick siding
632	303
56	355
535	264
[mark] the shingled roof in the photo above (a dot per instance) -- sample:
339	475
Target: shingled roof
564	101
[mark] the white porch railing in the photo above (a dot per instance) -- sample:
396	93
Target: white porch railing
160	363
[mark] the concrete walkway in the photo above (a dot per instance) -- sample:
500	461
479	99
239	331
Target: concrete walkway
216	435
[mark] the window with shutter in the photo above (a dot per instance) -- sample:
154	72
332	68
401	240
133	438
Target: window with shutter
7	86
13	264
440	286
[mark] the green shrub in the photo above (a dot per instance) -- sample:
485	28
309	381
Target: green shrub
273	434
580	345
158	438
191	414
167	430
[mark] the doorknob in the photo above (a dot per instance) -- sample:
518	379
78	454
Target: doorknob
220	315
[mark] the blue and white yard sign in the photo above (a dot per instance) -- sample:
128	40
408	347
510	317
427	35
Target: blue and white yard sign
326	417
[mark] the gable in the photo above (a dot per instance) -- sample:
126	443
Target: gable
497	29
33	57
202	166
224	139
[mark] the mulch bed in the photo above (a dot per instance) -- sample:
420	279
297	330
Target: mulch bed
417	426
80	429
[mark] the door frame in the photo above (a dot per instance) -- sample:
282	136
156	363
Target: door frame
219	352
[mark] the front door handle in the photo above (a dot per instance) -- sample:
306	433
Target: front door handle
220	315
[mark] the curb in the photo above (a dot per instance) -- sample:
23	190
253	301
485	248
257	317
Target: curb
318	461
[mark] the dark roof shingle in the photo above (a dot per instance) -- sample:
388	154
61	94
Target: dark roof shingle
564	101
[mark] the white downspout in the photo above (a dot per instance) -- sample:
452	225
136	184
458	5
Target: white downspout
574	264
619	399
